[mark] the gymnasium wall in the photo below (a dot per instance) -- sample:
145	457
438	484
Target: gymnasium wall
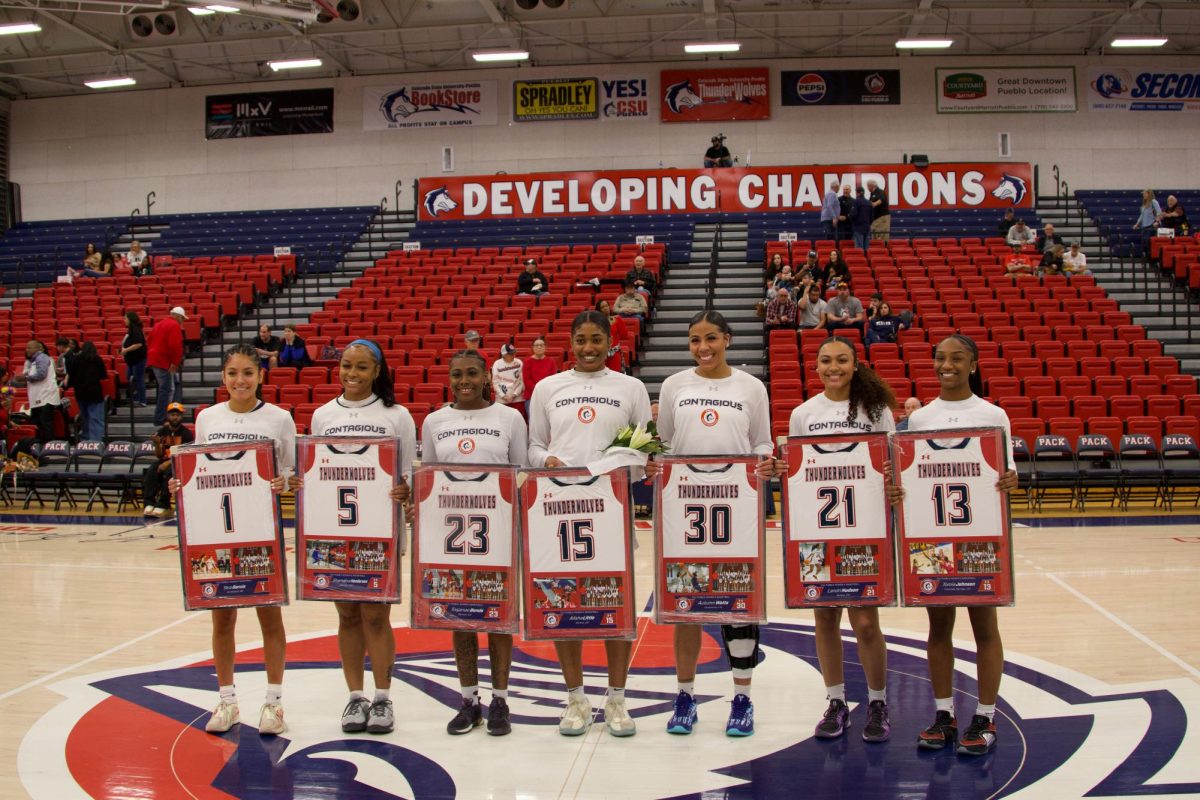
98	155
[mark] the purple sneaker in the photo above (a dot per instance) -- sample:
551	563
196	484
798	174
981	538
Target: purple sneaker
877	729
835	720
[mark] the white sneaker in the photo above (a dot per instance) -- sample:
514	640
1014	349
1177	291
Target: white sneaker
577	717
270	719
158	512
617	719
146	511
224	717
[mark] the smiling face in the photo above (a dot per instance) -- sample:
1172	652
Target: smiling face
590	344
604	308
264	333
708	343
836	363
954	362
357	372
469	379
242	376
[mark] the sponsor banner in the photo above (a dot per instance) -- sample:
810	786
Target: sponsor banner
624	99
558	98
715	95
431	105
840	87
1143	89
240	116
568	194
1004	90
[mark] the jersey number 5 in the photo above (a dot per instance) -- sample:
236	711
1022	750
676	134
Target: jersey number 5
347	506
475	526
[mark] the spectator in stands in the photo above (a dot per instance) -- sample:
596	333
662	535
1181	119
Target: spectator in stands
861	216
831	207
91	258
836	270
819	273
532	281
1052	261
781	312
95	264
845	208
775	265
884	325
811	308
642	277
631	304
1149	217
138	259
881	224
1075	262
133	350
537	367
67	350
1175	217
6	401
1007	221
784	280
910	405
156	477
1047	239
1018	263
507	379
810	263
619	333
475	342
44	399
86	376
293	352
844	311
165	358
1019	234
267	346
717	155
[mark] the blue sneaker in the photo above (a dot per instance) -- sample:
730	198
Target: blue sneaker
741	717
685	714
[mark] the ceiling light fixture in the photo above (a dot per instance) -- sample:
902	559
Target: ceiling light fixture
109	83
201	12
923	44
19	27
295	63
223	9
712	47
501	55
1143	42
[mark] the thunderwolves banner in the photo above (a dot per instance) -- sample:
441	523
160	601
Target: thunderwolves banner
433	105
571	194
239	116
715	95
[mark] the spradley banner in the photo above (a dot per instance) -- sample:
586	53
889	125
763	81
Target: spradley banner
715	95
624	98
1005	90
434	105
563	194
559	98
1143	89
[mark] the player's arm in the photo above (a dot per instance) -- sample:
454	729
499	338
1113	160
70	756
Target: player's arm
539	437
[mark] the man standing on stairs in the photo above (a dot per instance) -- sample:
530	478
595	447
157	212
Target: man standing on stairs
881	225
164	357
831	208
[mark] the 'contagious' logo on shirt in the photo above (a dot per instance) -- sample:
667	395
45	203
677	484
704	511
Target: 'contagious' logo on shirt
338	430
838	425
710	403
468	432
600	401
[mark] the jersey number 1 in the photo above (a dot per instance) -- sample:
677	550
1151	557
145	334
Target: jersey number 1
227	511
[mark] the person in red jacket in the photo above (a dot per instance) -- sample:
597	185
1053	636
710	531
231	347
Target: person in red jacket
164	357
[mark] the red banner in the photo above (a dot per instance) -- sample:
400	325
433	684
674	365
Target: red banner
573	194
715	95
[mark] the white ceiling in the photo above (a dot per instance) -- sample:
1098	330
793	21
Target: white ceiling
88	39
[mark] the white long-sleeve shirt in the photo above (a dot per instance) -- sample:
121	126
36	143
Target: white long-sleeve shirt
492	435
574	415
369	417
974	412
508	380
724	416
219	425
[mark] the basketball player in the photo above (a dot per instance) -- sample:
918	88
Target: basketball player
497	436
714	409
367	407
960	404
562	435
854	400
244	416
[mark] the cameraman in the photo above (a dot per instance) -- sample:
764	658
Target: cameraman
718	155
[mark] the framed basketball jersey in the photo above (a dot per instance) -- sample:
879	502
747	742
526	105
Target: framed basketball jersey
955	542
349	531
230	537
837	524
464	556
577	551
709	538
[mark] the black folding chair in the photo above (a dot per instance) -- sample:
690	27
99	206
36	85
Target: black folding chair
1024	458
1181	469
1099	472
1141	469
1054	469
54	458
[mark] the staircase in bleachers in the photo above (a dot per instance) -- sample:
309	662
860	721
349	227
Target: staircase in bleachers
1116	210
36	252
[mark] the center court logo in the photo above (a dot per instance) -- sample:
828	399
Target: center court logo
1058	723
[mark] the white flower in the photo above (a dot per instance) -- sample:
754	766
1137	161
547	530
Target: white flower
640	438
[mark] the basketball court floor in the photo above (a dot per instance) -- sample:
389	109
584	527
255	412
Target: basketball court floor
105	685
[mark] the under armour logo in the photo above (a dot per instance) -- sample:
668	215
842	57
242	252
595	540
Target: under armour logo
951	419
811	461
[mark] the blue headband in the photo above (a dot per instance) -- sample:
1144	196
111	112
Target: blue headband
367	343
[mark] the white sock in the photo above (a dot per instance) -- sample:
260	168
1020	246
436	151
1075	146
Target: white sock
740	689
470	693
501	693
876	694
577	692
836	692
381	695
228	694
274	694
944	704
617	694
358	694
986	711
689	687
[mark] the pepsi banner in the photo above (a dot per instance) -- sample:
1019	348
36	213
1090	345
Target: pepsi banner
570	194
433	105
240	116
840	87
715	95
1005	90
1143	89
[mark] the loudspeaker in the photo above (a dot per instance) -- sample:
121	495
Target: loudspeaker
347	11
530	5
919	160
154	25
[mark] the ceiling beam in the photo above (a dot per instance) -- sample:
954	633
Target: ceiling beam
1104	38
920	14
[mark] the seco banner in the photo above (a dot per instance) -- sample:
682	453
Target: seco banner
1143	89
840	87
568	194
554	99
715	95
1005	90
240	116
436	105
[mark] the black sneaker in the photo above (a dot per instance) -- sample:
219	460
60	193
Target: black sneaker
497	721
943	732
470	716
978	738
834	721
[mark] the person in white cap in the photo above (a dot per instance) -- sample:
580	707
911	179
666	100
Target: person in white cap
164	357
507	379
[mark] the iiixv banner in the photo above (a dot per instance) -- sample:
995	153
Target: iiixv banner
239	116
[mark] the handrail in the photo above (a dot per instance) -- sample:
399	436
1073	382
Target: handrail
1057	180
399	181
150	197
710	294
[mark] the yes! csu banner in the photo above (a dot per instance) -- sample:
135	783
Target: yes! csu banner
624	99
1005	90
715	95
238	116
1143	89
435	105
840	87
558	98
563	194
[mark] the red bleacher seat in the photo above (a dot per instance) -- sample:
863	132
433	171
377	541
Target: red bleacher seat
1111	427
1151	426
1070	427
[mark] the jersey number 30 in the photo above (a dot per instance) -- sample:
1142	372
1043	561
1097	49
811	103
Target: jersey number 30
711	523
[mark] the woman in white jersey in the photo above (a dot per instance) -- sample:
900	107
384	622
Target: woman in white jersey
742	427
559	438
499	437
960	404
244	414
367	407
855	400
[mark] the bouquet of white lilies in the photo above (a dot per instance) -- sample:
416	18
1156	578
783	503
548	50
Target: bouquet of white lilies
643	438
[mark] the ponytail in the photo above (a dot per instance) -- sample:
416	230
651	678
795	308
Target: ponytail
975	379
384	387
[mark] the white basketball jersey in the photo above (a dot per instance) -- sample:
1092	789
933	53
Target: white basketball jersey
582	520
347	492
950	491
709	513
837	494
465	520
227	501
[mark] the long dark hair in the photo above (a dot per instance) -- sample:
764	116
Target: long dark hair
595	318
712	317
250	353
87	352
489	393
383	386
868	391
135	322
975	379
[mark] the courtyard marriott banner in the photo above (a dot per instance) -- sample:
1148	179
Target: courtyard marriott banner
240	116
433	105
715	95
1005	90
557	98
568	194
1143	89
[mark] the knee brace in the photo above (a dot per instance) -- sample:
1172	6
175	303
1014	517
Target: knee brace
745	657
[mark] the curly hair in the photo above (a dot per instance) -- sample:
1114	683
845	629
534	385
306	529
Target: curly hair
868	391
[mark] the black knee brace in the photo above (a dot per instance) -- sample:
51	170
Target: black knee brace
731	632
